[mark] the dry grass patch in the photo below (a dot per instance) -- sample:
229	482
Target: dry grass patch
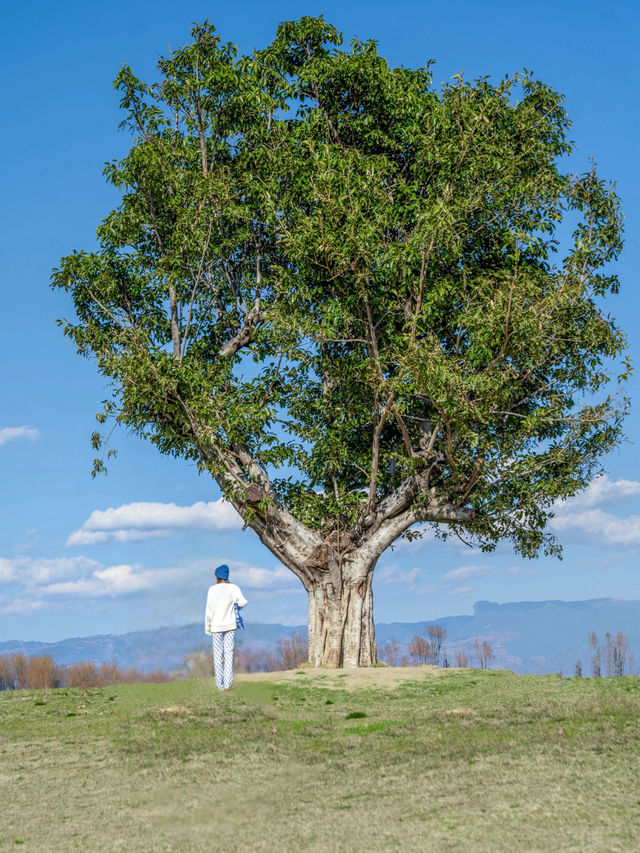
347	679
462	712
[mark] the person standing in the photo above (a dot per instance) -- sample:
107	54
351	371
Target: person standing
220	622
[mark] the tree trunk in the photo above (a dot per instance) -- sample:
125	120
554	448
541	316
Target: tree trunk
341	629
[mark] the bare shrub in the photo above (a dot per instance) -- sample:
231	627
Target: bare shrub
462	658
157	676
19	672
483	652
20	666
257	660
437	635
293	650
108	673
290	653
617	653
86	675
578	670
82	675
7	675
429	649
392	653
41	672
420	649
135	676
197	664
596	660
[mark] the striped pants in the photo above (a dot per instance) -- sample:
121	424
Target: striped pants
222	642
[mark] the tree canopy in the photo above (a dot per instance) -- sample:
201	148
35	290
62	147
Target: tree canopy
359	301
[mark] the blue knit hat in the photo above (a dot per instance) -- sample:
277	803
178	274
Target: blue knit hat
222	572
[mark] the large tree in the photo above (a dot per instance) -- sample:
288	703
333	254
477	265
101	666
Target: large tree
362	304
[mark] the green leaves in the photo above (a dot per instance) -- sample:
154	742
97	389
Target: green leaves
327	277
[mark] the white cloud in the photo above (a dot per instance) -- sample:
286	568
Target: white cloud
600	491
466	572
112	581
11	433
602	526
394	574
30	570
122	578
426	533
582	513
461	590
145	519
7	570
97	537
427	590
21	605
72	576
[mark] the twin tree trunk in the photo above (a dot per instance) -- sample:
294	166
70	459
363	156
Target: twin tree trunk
337	576
341	628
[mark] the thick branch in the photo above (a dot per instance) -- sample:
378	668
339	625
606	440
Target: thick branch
175	326
285	536
397	501
375	451
245	335
392	528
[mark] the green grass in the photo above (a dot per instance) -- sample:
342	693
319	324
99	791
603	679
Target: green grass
463	761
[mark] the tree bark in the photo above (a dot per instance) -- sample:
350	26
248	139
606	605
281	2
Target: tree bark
341	628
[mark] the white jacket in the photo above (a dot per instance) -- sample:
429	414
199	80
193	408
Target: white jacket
219	614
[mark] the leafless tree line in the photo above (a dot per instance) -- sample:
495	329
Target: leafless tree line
19	672
615	652
431	649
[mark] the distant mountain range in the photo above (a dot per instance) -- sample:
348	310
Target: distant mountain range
526	637
535	636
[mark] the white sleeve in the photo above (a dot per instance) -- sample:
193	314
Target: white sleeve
207	614
240	599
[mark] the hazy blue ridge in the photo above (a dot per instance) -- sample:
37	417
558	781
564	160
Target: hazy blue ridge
526	636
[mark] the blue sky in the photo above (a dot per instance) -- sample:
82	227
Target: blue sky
135	549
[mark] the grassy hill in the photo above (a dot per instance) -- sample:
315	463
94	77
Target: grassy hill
375	760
